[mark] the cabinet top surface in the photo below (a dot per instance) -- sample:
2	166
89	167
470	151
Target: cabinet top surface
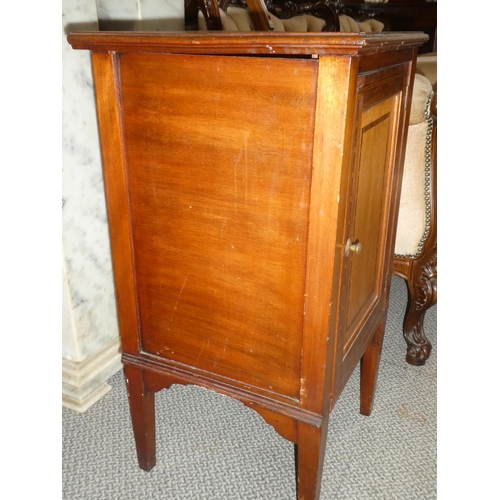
279	43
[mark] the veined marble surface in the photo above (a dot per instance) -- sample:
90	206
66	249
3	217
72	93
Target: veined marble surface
89	308
141	15
90	320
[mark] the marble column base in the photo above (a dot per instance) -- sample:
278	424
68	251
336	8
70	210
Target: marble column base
84	383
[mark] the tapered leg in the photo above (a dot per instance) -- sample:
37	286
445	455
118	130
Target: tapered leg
142	409
310	454
369	371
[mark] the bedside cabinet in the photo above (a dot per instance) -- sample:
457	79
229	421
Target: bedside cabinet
252	184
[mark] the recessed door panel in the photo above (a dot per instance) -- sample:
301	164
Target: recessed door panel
366	241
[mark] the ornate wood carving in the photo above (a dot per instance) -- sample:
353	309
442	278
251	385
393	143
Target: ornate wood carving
422	294
427	292
324	9
397	15
362	15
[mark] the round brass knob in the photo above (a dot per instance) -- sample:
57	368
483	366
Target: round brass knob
352	247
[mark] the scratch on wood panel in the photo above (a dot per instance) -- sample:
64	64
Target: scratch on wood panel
217	99
236	185
206	343
303	388
178	297
163	349
242	152
222	229
224	282
302	203
246	166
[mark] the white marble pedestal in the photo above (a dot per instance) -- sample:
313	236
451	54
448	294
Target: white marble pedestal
91	343
90	339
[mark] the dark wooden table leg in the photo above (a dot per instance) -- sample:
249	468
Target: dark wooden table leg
369	371
142	409
310	452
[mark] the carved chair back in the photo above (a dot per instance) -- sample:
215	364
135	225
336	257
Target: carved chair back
282	9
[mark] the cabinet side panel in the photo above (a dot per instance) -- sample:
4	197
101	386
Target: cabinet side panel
219	167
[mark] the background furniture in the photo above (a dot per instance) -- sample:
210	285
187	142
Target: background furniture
252	256
416	240
276	15
399	15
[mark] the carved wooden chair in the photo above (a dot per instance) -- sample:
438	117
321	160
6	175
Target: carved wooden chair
416	239
264	15
278	15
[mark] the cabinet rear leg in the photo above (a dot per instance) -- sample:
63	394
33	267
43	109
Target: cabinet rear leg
369	371
142	410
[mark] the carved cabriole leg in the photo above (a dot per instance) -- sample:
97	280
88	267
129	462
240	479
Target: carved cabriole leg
422	294
142	409
369	371
310	454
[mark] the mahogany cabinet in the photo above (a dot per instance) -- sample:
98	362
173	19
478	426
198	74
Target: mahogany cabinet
252	184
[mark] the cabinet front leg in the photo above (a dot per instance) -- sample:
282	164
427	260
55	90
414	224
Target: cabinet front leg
310	455
369	371
142	410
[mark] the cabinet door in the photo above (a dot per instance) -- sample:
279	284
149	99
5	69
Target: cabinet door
369	226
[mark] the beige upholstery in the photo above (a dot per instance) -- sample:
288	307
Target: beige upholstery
299	23
239	19
427	66
369	26
413	221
